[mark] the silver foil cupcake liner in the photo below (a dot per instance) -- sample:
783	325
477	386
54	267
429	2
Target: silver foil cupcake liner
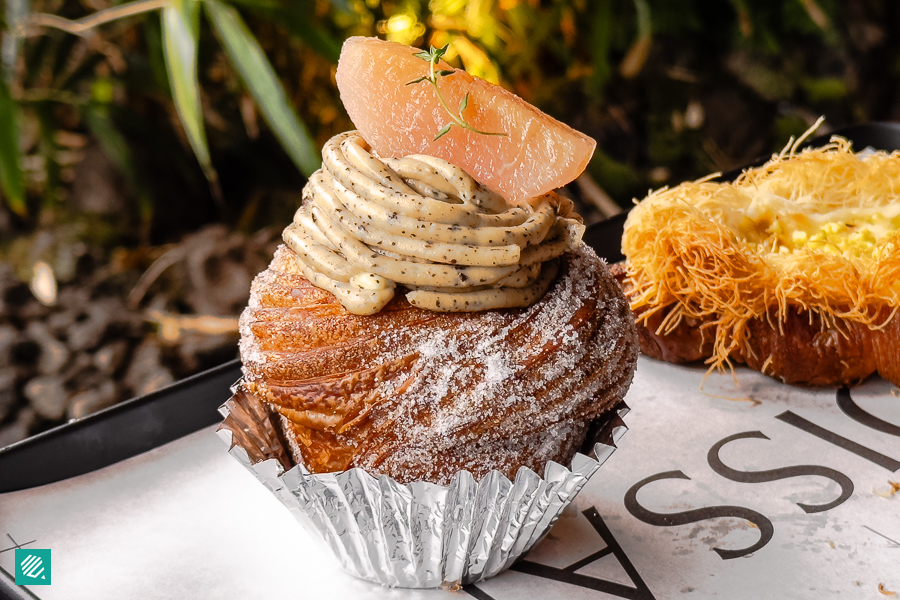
416	535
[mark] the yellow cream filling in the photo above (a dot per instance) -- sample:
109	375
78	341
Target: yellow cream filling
846	232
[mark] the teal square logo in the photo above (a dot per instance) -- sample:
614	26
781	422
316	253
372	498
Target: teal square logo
32	567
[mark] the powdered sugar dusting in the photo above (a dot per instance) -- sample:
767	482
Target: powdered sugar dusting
497	389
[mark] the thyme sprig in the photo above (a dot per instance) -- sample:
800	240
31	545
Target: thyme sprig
433	56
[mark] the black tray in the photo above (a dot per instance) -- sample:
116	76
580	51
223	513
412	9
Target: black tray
140	424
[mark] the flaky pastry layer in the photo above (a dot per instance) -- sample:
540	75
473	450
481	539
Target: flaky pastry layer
419	395
810	236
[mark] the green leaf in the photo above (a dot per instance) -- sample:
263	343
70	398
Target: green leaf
645	27
250	61
419	80
102	90
445	72
824	89
601	38
11	177
442	132
423	55
180	26
463	104
15	11
343	6
639	52
118	151
155	53
49	151
294	16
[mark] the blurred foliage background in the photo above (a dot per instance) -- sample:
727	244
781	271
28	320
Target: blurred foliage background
151	151
671	90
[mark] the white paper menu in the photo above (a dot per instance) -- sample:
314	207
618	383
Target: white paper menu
744	488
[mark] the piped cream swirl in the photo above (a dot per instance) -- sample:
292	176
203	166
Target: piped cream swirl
368	224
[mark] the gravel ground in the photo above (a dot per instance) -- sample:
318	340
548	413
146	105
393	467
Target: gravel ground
107	333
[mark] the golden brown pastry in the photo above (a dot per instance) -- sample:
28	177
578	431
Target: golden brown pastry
802	350
415	324
794	269
417	394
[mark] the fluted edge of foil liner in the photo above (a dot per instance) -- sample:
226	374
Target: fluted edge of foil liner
416	535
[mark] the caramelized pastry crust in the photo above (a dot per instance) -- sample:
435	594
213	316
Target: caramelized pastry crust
416	395
802	349
793	268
